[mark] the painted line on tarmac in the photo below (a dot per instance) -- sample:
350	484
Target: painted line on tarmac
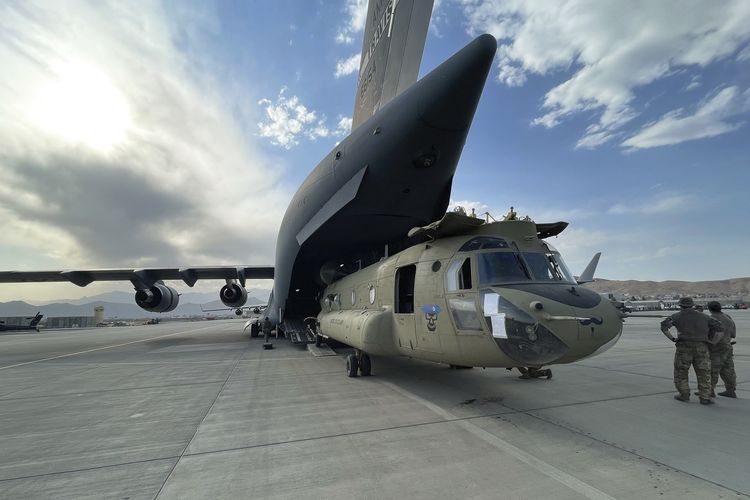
103	348
553	472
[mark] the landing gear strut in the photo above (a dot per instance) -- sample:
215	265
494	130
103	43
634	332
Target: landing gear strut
359	362
532	372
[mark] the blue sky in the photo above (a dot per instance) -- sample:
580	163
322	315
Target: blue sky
176	133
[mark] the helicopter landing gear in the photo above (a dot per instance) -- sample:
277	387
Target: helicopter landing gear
358	363
531	372
352	365
365	365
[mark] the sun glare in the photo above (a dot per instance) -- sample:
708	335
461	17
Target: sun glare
82	105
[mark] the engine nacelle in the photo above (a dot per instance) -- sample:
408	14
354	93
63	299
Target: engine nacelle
233	295
158	298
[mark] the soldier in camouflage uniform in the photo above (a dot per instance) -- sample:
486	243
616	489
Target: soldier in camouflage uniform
694	329
722	356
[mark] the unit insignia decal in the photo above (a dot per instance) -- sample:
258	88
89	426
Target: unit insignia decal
431	312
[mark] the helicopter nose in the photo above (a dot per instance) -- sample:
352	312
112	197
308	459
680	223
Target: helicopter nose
449	95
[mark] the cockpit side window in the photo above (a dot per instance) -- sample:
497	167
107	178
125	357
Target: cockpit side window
541	267
547	267
464	278
458	275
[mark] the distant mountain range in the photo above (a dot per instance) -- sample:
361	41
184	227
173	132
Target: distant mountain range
730	287
121	305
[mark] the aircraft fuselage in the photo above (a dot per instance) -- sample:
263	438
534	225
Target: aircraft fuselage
495	296
392	173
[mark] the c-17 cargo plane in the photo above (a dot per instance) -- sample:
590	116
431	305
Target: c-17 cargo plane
366	253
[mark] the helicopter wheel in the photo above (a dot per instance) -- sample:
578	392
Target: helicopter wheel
352	365
365	365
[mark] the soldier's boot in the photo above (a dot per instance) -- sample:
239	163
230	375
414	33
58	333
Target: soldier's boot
682	397
713	394
706	401
729	393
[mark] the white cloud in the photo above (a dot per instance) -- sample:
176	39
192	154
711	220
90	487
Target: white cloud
344	126
663	203
744	54
610	49
564	214
695	82
163	181
287	119
468	205
356	12
438	18
656	253
347	66
710	119
578	244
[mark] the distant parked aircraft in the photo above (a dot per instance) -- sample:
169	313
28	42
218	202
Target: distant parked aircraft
33	325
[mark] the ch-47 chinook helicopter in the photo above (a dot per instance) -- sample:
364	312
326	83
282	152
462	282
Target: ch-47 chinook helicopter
473	293
449	295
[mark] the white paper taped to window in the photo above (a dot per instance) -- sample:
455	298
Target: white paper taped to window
490	304
498	326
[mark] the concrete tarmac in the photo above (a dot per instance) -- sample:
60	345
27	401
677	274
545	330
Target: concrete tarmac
198	410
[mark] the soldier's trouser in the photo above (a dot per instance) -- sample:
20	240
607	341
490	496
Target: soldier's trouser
722	364
695	354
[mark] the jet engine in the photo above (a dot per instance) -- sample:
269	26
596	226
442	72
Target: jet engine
158	298
233	295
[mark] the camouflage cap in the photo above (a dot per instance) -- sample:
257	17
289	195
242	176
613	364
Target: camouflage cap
714	306
686	302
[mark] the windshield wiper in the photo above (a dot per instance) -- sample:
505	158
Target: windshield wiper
520	260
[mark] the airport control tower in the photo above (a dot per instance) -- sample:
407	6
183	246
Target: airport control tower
98	315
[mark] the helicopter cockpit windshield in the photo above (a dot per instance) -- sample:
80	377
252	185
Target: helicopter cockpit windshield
501	267
548	266
507	266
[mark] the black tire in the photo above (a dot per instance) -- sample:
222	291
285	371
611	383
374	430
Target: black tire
365	365
352	365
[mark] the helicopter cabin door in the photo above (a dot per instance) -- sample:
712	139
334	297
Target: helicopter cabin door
404	306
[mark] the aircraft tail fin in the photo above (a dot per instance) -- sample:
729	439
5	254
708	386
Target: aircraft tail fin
587	276
394	39
36	319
